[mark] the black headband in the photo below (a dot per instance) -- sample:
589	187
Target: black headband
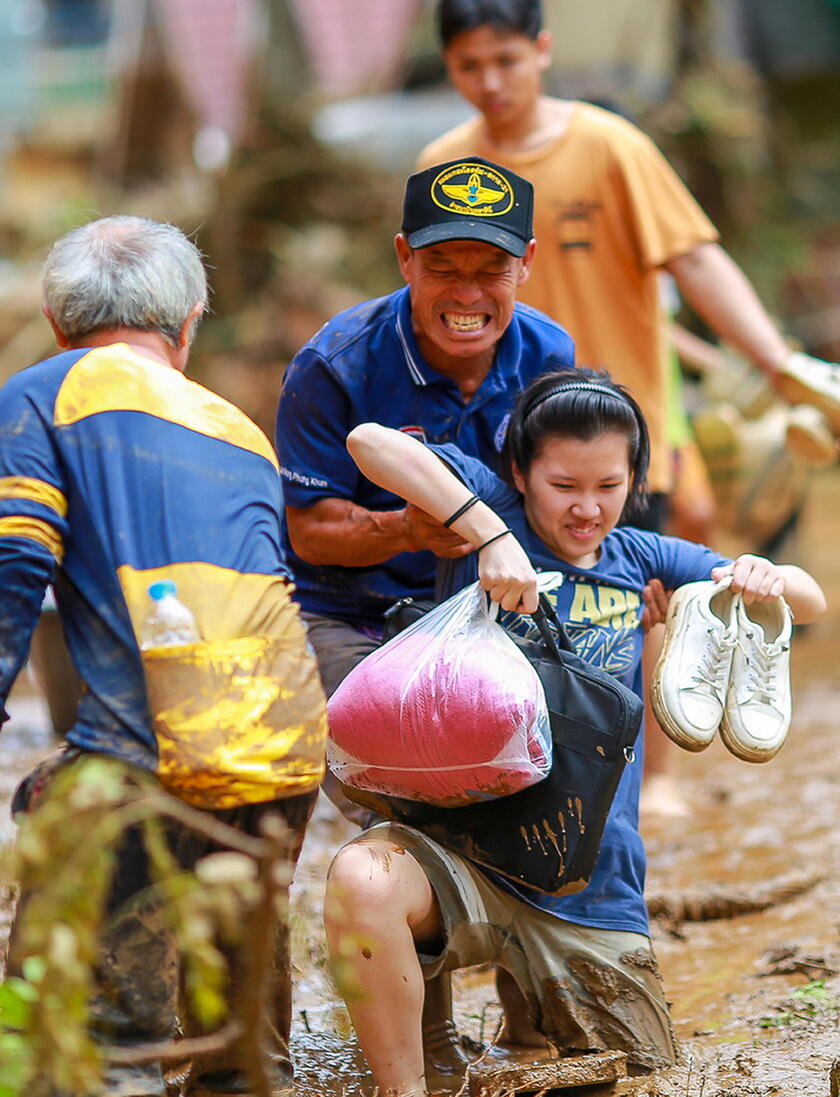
571	386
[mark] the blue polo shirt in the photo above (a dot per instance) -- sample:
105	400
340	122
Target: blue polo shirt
363	366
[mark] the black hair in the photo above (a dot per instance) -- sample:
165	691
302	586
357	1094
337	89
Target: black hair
581	404
508	16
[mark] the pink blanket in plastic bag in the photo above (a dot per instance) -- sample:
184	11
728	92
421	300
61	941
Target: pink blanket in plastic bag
448	712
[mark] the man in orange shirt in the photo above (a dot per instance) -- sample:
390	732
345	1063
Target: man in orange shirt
609	214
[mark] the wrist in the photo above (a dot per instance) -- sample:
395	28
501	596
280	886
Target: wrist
478	525
773	360
404	531
496	537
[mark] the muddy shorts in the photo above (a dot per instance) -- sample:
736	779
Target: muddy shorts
589	989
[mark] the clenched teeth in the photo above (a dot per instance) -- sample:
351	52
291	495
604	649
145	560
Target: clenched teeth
457	321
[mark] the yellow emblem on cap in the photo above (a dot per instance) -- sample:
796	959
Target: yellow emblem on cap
472	189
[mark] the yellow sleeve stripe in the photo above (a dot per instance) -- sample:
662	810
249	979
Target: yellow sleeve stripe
33	529
35	491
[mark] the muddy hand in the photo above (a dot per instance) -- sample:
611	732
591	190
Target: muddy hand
427	533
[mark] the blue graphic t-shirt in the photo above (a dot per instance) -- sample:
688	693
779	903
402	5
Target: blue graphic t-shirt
601	609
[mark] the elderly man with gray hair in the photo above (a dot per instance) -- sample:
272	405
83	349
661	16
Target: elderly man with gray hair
153	506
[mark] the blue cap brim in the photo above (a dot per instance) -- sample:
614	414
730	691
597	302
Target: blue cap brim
468	230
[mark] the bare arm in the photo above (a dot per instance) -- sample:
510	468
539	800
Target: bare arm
404	466
719	291
695	353
337	531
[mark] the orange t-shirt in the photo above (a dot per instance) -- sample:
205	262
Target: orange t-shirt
609	210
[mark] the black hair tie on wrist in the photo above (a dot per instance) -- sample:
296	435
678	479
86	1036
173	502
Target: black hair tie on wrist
498	537
473	499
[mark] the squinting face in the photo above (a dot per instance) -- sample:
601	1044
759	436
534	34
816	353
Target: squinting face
575	492
462	297
499	73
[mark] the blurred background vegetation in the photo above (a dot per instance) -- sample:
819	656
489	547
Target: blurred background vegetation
281	131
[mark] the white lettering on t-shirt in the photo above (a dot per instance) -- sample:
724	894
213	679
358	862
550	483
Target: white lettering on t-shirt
299	478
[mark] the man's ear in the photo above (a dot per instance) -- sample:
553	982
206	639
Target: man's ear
62	342
403	255
526	261
185	335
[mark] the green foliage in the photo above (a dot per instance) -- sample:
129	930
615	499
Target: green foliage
807	1003
66	858
66	861
17	997
201	907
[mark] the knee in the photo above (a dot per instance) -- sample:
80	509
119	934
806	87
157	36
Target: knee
361	888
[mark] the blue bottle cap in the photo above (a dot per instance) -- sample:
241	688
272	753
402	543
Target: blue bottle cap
161	589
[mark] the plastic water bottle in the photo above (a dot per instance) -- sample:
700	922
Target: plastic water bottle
168	621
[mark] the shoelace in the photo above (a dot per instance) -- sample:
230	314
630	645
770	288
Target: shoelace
713	670
760	670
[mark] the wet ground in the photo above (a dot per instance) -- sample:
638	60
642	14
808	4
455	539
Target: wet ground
755	996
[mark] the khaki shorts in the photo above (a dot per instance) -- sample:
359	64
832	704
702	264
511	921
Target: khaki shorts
588	989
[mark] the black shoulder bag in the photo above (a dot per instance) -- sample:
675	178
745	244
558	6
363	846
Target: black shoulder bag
547	836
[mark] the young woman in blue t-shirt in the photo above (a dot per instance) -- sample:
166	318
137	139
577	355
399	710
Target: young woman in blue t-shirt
400	909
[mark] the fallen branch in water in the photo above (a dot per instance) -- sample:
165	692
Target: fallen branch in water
713	903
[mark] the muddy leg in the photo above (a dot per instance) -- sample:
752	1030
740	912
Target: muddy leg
379	908
518	1028
445	1060
223	1072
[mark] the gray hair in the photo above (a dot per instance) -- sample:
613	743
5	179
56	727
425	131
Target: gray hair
123	272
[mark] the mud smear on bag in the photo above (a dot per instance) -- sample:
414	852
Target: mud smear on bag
556	838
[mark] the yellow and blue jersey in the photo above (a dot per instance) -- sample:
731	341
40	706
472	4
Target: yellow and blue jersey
117	471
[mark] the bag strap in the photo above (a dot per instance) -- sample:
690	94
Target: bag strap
553	640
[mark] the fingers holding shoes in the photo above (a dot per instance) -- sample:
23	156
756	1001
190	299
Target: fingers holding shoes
755	578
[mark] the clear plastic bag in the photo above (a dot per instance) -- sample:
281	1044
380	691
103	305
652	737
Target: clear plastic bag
449	712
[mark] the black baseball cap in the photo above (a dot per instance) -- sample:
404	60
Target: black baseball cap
469	199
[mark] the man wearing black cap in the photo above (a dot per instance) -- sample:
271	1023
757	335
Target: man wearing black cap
444	359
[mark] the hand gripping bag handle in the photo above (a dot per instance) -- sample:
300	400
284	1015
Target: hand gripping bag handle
542	616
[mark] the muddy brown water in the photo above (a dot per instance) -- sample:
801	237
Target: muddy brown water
755	998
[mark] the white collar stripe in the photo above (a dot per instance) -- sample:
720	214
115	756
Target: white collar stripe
413	368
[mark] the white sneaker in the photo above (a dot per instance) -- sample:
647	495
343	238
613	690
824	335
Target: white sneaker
689	684
807	380
756	716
